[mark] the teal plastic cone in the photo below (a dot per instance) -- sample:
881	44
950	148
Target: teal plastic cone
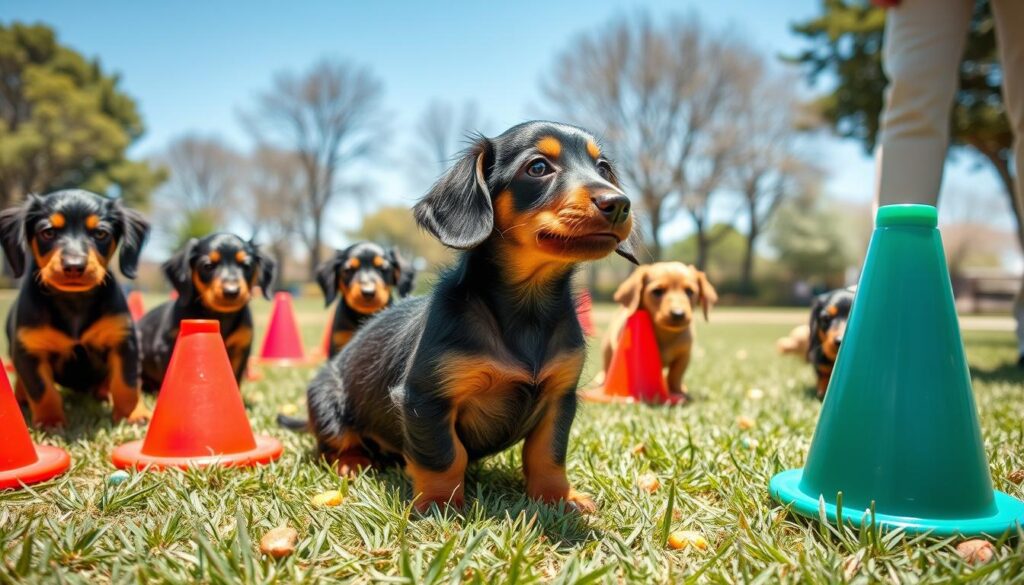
898	431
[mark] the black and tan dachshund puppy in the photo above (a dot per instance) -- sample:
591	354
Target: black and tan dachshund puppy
493	356
70	324
215	277
363	274
829	314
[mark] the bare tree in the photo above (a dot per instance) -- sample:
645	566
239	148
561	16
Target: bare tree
766	166
202	185
662	96
330	117
439	134
276	189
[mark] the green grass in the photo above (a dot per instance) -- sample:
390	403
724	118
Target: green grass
203	525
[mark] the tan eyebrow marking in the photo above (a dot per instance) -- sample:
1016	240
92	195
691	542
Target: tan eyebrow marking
378	261
352	263
57	220
592	149
215	256
241	256
549	146
92	221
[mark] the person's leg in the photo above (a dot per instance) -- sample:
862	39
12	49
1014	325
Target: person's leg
1010	35
924	42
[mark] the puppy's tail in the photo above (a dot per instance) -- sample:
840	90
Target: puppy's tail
299	425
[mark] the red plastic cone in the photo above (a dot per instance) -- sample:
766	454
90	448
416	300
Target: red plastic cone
635	372
21	462
584	305
282	344
199	418
135	305
325	341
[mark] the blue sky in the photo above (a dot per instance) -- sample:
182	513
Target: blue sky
193	66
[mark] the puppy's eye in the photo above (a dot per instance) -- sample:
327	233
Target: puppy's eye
605	170
47	234
101	234
538	168
690	292
657	292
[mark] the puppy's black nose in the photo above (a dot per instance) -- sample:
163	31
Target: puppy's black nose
614	207
369	291
73	265
231	290
678	315
839	341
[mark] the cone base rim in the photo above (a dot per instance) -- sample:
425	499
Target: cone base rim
598	395
785	489
130	455
50	462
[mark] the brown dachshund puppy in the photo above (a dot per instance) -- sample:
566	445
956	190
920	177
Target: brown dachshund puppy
669	292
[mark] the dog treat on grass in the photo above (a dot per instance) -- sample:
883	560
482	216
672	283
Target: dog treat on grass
279	542
681	539
1016	476
648	482
328	498
745	423
118	477
975	551
638	449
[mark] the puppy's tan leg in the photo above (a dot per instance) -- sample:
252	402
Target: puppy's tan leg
441	487
347	454
544	453
19	392
46	403
676	370
125	393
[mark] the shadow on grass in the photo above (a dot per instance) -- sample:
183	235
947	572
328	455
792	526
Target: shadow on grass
1003	373
496	491
86	417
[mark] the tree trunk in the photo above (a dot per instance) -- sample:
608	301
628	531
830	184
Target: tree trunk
314	252
1003	169
702	247
654	220
747	276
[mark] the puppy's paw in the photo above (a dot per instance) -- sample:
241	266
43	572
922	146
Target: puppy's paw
582	502
349	465
443	501
50	421
139	415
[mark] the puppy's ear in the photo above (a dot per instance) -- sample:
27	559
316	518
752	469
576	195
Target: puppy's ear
178	270
134	231
817	305
707	294
12	235
631	290
457	210
405	274
266	269
327	276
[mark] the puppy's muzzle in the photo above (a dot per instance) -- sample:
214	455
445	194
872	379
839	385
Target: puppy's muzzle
614	207
73	265
231	290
